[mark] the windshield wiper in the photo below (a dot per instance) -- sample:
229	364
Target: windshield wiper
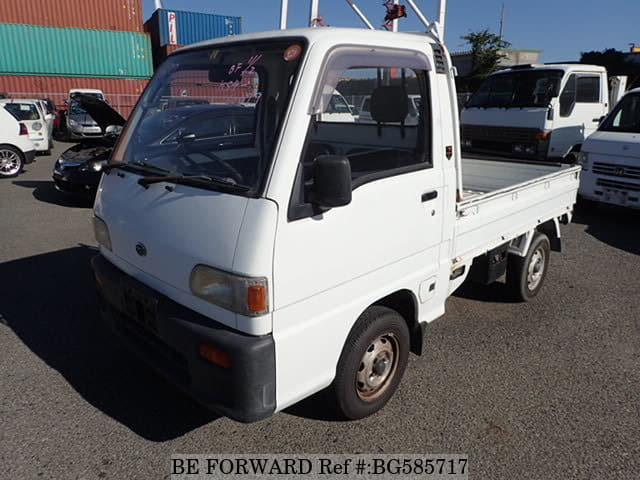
136	164
179	178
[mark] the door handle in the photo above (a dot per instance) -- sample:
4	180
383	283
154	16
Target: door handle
429	196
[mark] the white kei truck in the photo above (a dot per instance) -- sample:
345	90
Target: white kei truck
255	255
538	112
610	157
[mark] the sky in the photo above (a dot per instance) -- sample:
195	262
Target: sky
560	28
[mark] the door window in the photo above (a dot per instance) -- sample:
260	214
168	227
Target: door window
568	97
588	89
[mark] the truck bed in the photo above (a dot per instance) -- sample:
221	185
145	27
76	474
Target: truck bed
503	199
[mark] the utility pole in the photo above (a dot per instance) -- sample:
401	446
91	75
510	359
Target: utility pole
502	23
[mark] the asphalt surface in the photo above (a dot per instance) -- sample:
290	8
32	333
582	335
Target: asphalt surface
544	390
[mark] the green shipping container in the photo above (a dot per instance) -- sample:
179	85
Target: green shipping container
37	50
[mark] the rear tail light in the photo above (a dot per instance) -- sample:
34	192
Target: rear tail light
23	129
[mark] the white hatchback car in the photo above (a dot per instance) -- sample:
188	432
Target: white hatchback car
31	113
16	148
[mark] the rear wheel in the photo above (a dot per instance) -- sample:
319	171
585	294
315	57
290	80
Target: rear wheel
525	275
11	161
372	363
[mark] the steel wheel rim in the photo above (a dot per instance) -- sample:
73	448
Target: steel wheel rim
9	162
535	271
377	367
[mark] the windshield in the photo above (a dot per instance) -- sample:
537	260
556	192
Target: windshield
527	88
214	112
23	111
625	117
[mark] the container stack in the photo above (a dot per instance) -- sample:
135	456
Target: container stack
172	29
51	47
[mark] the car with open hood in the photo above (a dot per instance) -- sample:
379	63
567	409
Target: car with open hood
79	168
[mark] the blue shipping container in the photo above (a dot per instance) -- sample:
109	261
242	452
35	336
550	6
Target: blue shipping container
177	27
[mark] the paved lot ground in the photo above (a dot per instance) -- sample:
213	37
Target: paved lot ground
545	390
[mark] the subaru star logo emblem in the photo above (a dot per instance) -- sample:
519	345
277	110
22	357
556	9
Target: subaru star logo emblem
141	249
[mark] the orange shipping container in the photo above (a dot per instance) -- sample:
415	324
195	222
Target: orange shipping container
121	93
124	15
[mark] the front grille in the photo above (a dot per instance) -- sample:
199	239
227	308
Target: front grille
615	184
500	134
614	170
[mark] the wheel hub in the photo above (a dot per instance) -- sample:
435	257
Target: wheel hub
535	270
377	367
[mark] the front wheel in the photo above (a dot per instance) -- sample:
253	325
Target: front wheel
525	275
11	161
372	363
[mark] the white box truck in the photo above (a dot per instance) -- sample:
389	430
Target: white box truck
258	254
538	112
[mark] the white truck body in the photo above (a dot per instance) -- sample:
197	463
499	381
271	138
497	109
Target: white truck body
610	157
406	238
536	112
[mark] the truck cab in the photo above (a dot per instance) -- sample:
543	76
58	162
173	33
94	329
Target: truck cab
536	112
610	157
256	252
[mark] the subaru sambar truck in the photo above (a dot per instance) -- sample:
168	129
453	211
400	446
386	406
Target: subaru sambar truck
255	253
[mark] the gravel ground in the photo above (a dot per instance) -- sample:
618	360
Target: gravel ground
544	390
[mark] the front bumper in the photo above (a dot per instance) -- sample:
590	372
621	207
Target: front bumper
76	181
169	341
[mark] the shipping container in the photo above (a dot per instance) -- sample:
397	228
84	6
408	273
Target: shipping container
36	50
177	27
121	93
124	15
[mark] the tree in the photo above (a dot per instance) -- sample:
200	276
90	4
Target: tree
486	53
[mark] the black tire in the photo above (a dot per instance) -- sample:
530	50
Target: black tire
11	161
526	275
378	332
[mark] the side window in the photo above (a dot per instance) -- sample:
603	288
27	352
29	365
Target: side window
568	97
388	134
588	89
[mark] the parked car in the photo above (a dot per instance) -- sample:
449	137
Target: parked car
76	123
78	170
16	148
31	113
610	157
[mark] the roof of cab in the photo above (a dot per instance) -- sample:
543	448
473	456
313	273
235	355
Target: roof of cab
554	66
338	35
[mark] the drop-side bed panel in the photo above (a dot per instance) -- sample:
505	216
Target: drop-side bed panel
508	199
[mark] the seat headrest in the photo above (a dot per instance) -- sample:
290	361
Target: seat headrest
389	104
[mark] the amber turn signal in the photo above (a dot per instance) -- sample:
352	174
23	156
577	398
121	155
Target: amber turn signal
257	298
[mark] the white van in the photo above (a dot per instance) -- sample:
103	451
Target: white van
610	157
32	114
15	147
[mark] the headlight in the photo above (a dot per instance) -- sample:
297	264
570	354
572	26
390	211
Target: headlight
72	123
36	126
243	295
101	232
583	160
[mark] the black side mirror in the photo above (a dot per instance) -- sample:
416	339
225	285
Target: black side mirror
331	181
